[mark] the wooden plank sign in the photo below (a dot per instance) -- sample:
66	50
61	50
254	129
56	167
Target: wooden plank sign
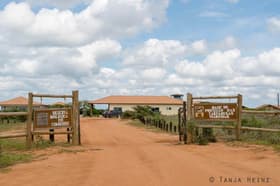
52	118
215	111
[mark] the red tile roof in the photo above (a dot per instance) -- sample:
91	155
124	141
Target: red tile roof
18	101
143	100
267	106
60	103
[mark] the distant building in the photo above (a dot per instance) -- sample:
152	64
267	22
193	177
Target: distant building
17	104
267	107
163	104
177	96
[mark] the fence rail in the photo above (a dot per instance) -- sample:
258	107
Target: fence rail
161	124
215	126
242	128
268	112
13	113
12	135
216	97
75	119
260	129
196	112
51	96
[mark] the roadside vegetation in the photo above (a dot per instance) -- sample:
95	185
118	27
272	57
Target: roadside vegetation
87	111
12	119
140	112
14	151
204	136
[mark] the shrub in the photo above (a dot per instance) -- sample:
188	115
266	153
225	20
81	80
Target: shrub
209	134
86	110
252	122
274	139
128	115
202	140
140	112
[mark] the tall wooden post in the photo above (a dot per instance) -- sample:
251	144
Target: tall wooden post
185	122
239	118
189	116
29	120
76	118
179	124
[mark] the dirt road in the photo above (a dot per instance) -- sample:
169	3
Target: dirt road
120	154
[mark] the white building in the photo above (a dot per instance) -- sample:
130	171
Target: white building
164	104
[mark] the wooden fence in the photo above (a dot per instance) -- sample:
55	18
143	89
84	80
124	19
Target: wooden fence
74	131
161	124
234	114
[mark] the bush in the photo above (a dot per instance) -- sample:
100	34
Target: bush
209	134
202	140
252	122
128	115
86	110
274	139
139	112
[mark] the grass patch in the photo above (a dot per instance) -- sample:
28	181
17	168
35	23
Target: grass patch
12	144
8	159
171	118
12	126
71	150
139	124
251	137
14	151
262	138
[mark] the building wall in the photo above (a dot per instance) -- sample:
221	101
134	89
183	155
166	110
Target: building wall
164	109
18	108
13	108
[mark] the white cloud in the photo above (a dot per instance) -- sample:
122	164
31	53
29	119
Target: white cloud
153	74
100	19
216	66
199	47
58	50
156	53
274	24
71	62
220	73
229	42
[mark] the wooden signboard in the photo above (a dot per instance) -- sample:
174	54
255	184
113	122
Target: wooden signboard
215	111
52	118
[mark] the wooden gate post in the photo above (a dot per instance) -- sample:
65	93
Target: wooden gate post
179	124
185	122
239	117
29	120
189	116
76	118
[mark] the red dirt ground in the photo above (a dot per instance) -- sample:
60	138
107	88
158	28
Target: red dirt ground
120	154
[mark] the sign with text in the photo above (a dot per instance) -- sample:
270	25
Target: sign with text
51	118
215	111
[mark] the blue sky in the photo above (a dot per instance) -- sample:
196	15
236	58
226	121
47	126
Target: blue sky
214	20
141	47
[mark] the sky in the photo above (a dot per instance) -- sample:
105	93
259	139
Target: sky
141	47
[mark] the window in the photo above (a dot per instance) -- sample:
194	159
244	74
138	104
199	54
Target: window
168	108
119	109
155	109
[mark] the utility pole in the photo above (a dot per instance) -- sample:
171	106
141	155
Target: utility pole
277	99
